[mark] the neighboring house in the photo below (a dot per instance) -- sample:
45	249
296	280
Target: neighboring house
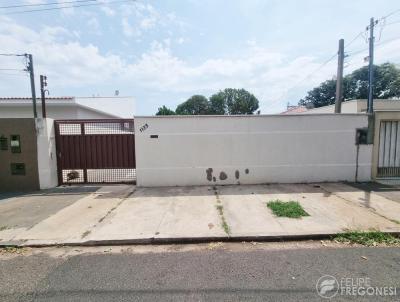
290	109
386	132
58	107
355	106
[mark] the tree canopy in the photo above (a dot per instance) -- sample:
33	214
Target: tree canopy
228	101
195	105
355	86
165	111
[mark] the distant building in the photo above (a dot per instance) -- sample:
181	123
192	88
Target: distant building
356	106
290	109
58	107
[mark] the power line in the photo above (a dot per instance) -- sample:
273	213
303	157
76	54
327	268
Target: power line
388	41
11	69
391	23
390	14
330	59
352	53
11	55
63	7
355	52
14	74
314	71
44	4
355	38
382	22
349	43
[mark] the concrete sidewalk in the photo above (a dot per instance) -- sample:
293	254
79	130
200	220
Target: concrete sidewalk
124	214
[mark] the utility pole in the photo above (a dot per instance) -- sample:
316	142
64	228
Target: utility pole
43	85
32	75
371	66
339	78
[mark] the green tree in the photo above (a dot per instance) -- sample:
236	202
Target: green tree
320	96
165	111
195	105
233	101
355	86
217	104
386	82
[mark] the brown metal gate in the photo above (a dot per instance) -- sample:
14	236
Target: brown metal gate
95	151
389	150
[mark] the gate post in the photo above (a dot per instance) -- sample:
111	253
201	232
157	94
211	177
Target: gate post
58	152
83	140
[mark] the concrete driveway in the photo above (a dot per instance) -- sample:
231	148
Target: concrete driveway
125	214
26	210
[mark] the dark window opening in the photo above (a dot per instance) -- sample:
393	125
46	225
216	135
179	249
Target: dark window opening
17	169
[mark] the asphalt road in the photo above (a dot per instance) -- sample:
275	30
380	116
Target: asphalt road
195	275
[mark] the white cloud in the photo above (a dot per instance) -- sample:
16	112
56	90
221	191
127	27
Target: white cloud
66	9
148	23
34	1
94	25
56	54
138	19
141	18
128	29
107	11
270	75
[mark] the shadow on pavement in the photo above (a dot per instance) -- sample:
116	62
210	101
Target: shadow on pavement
63	190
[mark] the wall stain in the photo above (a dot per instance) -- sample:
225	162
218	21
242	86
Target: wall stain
246	171
209	174
223	176
237	174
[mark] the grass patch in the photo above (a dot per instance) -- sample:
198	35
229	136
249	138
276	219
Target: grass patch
4	227
224	224
291	209
369	238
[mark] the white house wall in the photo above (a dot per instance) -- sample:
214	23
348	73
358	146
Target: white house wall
202	150
83	113
347	107
357	106
26	111
54	111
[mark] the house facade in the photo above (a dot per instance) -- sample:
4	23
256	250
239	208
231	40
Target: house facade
386	132
355	106
60	107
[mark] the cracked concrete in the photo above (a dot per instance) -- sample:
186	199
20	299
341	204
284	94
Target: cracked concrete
123	213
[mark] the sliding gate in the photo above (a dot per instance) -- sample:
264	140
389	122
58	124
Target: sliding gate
389	149
95	151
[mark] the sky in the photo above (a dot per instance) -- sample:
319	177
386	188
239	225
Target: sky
161	52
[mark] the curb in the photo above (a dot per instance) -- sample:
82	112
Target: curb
178	240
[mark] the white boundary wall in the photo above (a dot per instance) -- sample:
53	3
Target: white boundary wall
46	149
272	148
